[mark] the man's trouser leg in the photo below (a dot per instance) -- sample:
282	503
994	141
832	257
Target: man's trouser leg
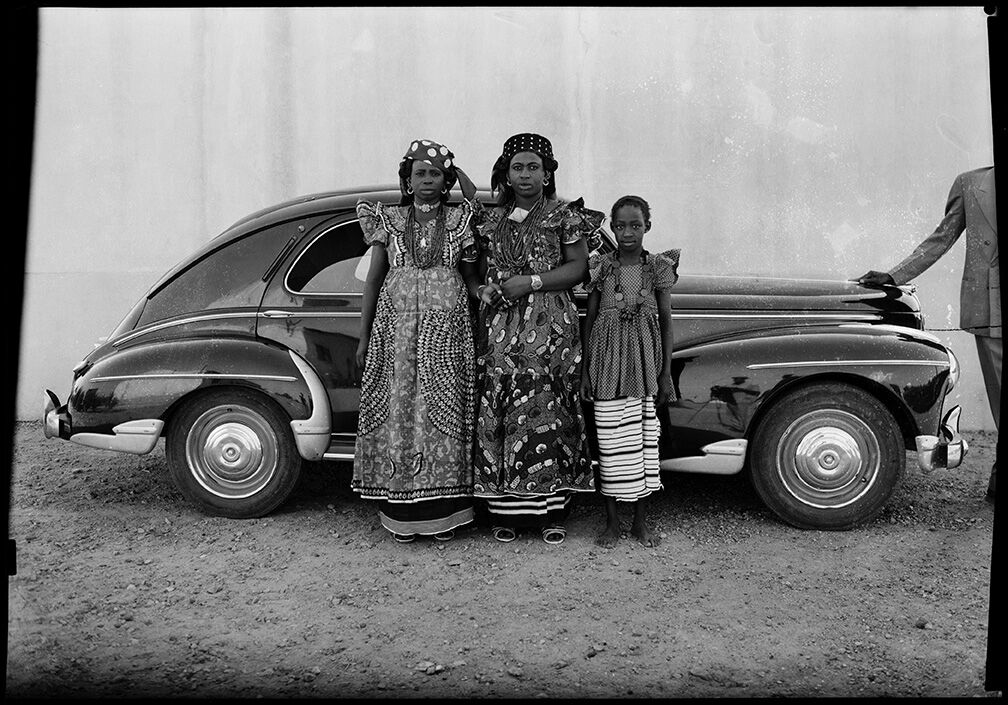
989	352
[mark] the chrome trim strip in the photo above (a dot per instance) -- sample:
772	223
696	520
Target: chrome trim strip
195	375
138	437
915	333
312	434
301	254
843	363
720	458
817	316
314	314
181	322
338	456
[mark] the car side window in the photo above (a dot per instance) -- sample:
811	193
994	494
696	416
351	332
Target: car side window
334	262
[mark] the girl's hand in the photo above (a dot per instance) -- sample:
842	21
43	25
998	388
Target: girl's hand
490	294
361	356
586	389
517	286
664	389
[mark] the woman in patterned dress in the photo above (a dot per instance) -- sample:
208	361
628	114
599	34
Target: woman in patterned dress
531	449
414	436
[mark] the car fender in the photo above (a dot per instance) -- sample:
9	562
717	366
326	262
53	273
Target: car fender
149	381
723	386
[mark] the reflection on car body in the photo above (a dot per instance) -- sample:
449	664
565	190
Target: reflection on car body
242	358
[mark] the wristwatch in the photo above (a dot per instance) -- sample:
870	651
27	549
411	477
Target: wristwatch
536	282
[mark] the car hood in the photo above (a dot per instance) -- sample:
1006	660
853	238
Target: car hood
757	293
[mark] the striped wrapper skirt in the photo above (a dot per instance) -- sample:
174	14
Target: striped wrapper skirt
628	432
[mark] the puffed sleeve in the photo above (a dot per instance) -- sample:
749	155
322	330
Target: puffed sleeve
666	269
485	221
576	222
371	223
463	217
479	211
599	267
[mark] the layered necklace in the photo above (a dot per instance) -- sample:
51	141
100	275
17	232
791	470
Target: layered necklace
425	254
630	309
510	242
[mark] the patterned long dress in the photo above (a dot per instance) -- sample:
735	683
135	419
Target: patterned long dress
414	436
625	346
531	447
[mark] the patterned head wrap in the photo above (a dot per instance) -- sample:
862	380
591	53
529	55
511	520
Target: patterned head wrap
524	142
429	152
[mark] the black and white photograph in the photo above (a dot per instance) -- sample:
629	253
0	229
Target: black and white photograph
506	352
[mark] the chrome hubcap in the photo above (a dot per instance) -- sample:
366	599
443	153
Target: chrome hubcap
828	458
232	451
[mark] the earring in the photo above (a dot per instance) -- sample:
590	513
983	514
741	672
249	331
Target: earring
409	190
509	182
445	190
546	181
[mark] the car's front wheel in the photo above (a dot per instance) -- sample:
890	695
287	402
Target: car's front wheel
827	456
233	454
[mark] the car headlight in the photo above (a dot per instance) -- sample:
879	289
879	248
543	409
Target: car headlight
953	377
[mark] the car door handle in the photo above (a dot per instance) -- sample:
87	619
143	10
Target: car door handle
277	314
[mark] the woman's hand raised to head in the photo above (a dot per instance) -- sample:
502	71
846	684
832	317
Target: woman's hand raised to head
465	183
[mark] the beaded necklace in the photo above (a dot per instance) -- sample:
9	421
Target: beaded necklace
510	241
628	312
416	242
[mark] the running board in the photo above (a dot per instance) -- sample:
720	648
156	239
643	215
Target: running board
721	458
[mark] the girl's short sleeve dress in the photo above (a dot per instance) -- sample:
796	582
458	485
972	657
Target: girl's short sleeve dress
626	343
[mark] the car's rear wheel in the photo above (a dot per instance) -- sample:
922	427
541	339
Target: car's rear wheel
827	456
232	453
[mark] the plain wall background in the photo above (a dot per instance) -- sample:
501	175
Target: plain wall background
814	143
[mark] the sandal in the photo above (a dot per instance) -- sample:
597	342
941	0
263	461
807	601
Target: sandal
404	538
554	535
445	535
503	534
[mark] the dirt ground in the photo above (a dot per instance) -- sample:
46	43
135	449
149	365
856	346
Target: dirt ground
123	589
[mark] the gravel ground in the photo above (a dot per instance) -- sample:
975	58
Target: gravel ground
123	589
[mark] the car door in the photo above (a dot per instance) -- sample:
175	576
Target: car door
312	306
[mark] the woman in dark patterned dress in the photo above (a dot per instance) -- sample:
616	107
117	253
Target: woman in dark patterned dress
531	449
414	436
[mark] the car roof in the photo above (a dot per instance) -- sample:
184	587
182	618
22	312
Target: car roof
300	207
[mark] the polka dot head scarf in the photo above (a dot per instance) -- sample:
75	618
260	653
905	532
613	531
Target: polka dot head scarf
524	142
429	152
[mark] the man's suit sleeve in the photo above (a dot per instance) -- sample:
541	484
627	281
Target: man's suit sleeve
938	242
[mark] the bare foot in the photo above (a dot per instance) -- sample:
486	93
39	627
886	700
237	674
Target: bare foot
644	535
609	537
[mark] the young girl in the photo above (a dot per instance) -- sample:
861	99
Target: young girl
627	362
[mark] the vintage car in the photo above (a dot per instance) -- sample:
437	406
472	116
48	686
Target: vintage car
242	358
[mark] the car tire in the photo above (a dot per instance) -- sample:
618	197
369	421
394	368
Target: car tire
232	453
827	456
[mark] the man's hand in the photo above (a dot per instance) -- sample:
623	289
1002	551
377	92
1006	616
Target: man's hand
873	278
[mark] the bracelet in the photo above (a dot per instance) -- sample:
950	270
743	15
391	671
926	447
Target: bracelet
479	291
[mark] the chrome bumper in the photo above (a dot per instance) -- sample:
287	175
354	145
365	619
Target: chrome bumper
137	437
945	450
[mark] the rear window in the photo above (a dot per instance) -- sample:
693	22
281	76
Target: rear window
227	278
